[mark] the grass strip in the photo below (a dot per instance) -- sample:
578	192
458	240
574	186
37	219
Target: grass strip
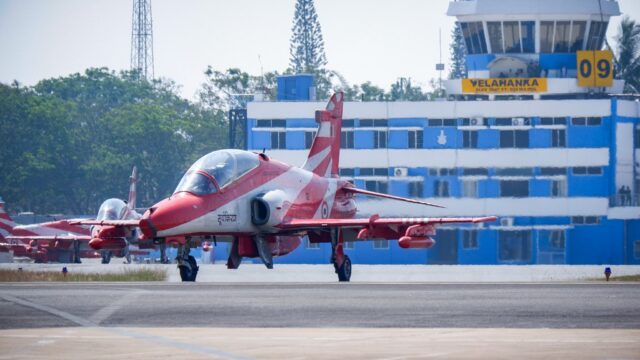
140	274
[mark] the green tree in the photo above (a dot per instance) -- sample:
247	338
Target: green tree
458	52
627	61
306	46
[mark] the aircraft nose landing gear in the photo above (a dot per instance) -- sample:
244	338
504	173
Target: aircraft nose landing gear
341	262
186	263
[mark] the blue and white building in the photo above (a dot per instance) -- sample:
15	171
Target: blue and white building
559	163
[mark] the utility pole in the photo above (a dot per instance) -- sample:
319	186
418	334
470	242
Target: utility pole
142	39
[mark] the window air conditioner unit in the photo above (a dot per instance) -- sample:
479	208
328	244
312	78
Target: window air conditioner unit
517	121
400	171
478	121
506	221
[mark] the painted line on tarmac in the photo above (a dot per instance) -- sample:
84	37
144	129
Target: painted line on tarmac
104	313
123	332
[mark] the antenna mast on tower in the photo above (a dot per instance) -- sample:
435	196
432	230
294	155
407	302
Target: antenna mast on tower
142	39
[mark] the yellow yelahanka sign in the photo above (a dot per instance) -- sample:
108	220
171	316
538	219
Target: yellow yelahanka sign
500	85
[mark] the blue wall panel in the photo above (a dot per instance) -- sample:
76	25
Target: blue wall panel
488	139
261	140
595	244
363	139
398	139
295	140
540	138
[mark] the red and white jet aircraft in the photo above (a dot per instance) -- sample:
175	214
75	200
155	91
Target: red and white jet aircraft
265	207
43	242
108	240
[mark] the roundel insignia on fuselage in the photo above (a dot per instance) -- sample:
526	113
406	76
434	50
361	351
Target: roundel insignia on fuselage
325	210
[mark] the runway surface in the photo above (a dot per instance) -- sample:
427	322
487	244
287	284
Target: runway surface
307	321
553	305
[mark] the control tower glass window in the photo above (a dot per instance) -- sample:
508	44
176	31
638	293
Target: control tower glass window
577	35
495	36
511	37
528	32
596	35
546	36
561	37
473	33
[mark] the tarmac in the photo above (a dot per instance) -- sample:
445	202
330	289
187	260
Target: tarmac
248	320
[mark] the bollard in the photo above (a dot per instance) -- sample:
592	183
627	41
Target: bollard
607	272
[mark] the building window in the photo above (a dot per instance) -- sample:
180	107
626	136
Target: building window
514	245
514	171
469	188
585	220
558	138
381	244
441	188
415	139
346	140
441	122
597	32
551	171
379	139
469	239
311	245
528	33
578	29
377	186
469	139
591	170
374	123
495	36
475	172
636	249
348	123
416	189
278	140
442	172
514	188
589	121
511	37
308	138
561	37
553	121
637	140
514	138
558	188
348	245
374	172
473	33
546	36
557	240
278	123
347	172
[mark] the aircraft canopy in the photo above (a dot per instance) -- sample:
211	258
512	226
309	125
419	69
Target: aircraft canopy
224	166
111	209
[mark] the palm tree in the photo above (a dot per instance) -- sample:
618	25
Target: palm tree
627	63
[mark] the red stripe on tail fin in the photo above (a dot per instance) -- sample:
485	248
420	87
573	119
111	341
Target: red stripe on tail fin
6	223
324	156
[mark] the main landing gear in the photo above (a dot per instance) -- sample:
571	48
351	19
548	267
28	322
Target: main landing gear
341	262
186	263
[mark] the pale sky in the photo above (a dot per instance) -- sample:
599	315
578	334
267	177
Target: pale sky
365	40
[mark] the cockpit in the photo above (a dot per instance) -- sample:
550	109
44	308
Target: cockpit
112	209
215	170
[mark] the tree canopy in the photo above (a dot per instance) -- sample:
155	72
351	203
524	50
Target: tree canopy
307	47
71	141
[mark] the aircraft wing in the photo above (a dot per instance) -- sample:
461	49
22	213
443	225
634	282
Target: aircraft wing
376	221
355	190
124	223
51	237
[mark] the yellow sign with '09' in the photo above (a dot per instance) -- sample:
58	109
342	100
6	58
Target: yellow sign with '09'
595	68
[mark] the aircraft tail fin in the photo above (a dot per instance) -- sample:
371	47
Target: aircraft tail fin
324	156
131	203
6	223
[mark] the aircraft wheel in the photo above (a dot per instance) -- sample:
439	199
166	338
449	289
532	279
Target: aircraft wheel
106	257
344	271
189	272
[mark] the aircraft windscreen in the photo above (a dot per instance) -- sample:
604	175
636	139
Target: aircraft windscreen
196	183
111	209
226	165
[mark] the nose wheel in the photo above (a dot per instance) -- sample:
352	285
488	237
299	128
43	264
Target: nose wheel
344	270
187	264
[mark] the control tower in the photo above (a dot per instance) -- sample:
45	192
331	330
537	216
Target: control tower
535	49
